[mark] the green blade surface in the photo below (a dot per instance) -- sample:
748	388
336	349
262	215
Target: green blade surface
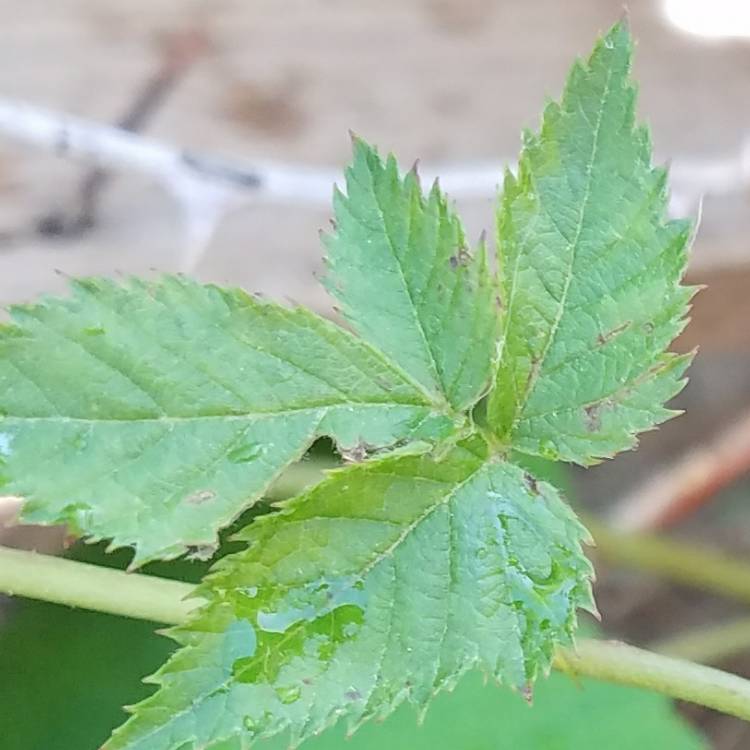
383	584
400	266
153	413
590	271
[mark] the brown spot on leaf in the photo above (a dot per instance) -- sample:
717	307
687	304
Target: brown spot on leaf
383	383
461	258
593	417
604	338
531	483
355	454
352	695
527	691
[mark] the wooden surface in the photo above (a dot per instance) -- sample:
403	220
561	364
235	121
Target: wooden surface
442	80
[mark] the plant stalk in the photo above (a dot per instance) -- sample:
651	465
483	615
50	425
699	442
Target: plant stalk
150	598
709	645
613	661
78	584
683	563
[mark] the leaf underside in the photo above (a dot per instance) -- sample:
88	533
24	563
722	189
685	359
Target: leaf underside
153	413
383	584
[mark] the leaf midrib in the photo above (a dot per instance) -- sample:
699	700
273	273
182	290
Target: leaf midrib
573	249
573	246
431	361
245	416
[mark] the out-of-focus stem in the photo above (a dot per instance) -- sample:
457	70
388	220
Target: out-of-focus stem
684	563
709	645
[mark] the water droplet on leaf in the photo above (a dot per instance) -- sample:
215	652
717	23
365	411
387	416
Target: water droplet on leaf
241	454
93	331
81	440
249	723
5	443
350	629
312	601
200	497
548	450
289	694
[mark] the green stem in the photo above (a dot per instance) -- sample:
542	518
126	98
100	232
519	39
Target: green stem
612	661
685	563
709	645
150	598
77	584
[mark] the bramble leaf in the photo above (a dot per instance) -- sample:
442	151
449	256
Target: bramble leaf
383	584
400	266
153	413
590	274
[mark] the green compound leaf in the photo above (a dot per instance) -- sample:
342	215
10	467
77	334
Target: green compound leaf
153	413
383	584
590	274
400	267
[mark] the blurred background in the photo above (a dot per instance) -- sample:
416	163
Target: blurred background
233	120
